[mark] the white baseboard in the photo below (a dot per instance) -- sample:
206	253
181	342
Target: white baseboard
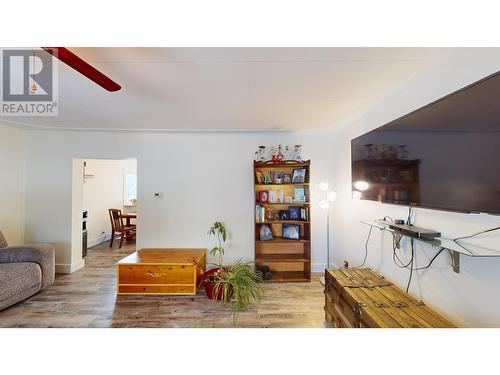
320	267
69	268
98	241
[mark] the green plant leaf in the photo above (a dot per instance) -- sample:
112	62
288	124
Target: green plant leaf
214	250
239	286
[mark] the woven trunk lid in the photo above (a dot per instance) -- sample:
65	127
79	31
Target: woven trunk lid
376	302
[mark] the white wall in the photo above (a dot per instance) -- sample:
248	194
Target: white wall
12	157
103	192
470	298
204	177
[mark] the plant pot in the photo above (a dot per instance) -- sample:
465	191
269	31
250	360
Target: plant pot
210	285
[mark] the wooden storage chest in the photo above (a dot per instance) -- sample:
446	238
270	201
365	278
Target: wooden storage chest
161	271
360	298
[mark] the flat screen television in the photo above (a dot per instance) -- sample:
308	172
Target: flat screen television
445	155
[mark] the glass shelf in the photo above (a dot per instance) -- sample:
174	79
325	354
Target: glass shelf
456	248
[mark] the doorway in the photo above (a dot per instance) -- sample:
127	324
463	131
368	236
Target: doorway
98	186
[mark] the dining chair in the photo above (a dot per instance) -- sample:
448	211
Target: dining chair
117	226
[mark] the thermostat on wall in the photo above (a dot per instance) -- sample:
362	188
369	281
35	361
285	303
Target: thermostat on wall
159	195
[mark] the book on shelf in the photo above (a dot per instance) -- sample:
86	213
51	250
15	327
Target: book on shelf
272	196
280	195
263	213
264	196
259	213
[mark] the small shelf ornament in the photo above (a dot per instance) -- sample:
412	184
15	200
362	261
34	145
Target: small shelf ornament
278	153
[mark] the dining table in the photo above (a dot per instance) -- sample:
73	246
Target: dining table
128	217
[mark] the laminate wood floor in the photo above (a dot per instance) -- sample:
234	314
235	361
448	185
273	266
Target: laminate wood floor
87	298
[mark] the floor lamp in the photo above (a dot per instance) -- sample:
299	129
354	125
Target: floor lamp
327	197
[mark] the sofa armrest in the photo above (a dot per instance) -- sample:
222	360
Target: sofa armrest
42	254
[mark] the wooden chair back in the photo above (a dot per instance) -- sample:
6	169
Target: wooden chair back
115	216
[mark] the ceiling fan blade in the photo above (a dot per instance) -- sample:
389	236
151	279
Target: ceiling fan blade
72	60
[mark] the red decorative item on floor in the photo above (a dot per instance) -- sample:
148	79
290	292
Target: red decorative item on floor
72	60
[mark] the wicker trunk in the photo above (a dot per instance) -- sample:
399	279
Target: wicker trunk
360	298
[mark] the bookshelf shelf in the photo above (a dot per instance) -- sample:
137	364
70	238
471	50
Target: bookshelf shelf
288	260
283	240
295	184
282	258
290	276
284	222
284	204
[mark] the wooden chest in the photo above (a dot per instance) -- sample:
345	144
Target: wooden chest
360	298
161	271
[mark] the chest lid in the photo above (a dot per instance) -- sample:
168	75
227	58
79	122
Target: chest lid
358	278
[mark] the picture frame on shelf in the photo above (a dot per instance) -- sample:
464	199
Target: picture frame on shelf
259	176
265	233
304	214
290	231
283	215
299	175
269	214
294	213
299	194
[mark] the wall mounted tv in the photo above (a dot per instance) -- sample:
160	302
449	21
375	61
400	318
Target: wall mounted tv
445	155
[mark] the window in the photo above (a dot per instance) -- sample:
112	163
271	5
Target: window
130	189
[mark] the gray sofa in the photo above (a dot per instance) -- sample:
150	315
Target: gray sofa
24	270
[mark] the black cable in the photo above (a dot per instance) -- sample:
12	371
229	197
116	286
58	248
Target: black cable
411	267
394	253
477	234
402	265
408	220
431	261
366	248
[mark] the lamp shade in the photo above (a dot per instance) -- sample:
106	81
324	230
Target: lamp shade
323	185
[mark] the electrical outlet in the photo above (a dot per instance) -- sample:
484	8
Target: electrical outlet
346	264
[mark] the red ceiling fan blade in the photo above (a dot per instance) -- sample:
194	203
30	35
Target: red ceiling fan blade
72	60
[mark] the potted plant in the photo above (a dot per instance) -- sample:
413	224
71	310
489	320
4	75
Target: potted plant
236	284
219	230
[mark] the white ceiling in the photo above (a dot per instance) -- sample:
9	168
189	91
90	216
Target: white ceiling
166	89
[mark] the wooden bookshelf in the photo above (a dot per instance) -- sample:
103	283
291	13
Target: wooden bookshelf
289	260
